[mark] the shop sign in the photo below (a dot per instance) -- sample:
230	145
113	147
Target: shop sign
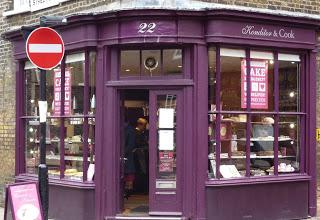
258	82
166	162
23	202
318	134
252	30
57	92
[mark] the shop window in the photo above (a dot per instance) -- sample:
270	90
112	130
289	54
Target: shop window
260	138
151	63
70	129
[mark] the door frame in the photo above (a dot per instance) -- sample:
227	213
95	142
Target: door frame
156	89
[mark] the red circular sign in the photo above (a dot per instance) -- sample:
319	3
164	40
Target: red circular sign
45	48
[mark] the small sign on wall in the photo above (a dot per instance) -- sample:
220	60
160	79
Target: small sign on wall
318	134
23	202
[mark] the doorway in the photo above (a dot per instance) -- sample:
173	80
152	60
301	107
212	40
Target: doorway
151	149
135	152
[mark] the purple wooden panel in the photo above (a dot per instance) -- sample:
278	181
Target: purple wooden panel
147	27
286	200
258	31
80	203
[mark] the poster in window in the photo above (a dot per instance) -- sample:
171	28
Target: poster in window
258	81
57	92
166	161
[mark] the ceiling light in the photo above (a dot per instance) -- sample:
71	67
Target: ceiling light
271	61
127	70
291	94
293	62
291	125
179	66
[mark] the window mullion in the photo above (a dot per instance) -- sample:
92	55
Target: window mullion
85	110
62	127
218	116
248	100
276	109
302	119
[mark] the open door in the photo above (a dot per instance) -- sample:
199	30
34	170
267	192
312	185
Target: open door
165	152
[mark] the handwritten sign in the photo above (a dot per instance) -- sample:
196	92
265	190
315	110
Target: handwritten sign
57	92
258	81
24	202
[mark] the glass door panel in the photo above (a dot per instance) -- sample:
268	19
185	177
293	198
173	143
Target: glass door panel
165	156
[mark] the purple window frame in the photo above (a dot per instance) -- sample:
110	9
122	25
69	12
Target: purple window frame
276	113
185	52
62	117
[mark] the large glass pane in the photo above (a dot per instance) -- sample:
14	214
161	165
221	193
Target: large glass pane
166	166
32	145
262	145
73	148
75	74
151	62
172	62
289	83
92	83
32	86
233	145
232	61
130	63
262	84
32	135
289	144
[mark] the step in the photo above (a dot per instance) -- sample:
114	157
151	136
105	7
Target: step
144	218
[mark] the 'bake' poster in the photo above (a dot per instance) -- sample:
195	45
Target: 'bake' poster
259	84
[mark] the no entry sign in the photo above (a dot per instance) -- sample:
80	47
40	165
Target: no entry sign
45	48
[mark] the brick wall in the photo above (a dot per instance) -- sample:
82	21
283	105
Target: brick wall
7	78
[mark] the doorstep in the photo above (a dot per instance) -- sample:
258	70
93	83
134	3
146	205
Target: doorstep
144	218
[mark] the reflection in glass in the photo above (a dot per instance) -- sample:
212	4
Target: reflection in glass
130	63
75	65
289	144
262	145
230	94
73	148
172	61
289	85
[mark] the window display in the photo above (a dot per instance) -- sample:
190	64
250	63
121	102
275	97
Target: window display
262	138
70	133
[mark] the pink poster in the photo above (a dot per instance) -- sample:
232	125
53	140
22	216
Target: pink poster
57	92
166	162
25	202
259	84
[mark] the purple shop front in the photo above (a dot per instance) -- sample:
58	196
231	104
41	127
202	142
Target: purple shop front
157	129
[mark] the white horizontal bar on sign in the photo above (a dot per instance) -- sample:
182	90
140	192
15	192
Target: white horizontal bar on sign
227	52
289	57
45	48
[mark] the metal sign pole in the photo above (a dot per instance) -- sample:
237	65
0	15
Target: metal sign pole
43	169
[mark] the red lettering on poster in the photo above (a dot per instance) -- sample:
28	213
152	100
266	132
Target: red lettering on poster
57	92
259	84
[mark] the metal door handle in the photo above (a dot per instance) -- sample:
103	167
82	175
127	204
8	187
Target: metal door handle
123	159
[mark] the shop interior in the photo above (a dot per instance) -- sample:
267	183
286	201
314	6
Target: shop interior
135	150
